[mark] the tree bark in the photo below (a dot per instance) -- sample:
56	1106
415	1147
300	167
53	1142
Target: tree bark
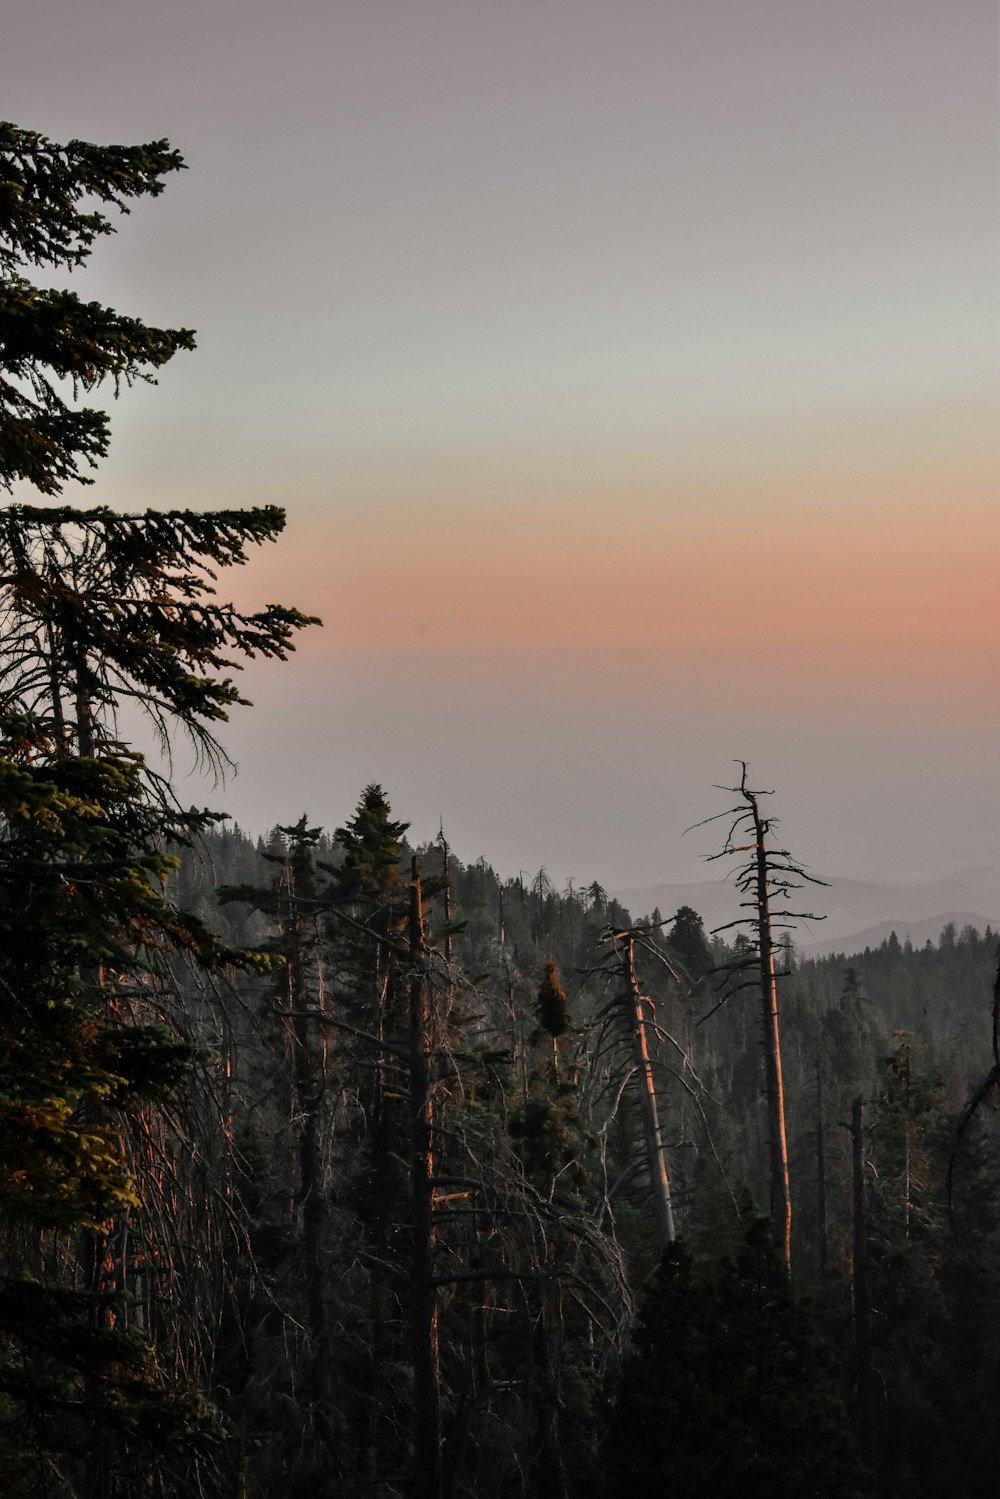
309	1085
656	1157
424	1305
821	1171
446	876
862	1343
781	1197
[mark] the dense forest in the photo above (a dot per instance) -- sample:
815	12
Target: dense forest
332	1165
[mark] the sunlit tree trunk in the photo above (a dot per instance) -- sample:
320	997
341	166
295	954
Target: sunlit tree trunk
765	881
656	1156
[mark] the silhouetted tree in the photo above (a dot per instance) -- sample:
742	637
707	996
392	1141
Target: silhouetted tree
769	875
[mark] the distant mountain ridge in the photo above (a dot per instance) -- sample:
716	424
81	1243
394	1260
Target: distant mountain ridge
859	913
917	933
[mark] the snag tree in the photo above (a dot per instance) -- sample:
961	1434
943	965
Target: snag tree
765	882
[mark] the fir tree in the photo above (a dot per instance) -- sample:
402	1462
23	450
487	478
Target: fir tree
48	335
97	610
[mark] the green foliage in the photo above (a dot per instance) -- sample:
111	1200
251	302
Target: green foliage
42	185
533	1164
100	608
50	335
83	918
85	930
373	843
97	610
545	1127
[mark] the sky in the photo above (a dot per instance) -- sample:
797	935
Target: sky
629	375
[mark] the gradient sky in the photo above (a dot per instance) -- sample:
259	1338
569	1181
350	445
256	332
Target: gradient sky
629	373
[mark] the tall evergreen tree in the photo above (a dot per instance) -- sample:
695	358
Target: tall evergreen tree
688	945
97	610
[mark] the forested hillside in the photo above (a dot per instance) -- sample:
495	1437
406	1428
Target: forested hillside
334	1166
544	1232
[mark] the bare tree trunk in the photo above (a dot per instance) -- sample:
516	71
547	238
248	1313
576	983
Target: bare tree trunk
656	1157
310	1086
517	1046
314	1221
862	1344
781	1197
424	1308
99	1460
84	707
821	1171
446	876
55	691
549	1470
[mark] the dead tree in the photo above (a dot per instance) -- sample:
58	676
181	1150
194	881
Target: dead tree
424	1291
635	1006
765	882
859	1280
446	890
988	1089
821	1170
